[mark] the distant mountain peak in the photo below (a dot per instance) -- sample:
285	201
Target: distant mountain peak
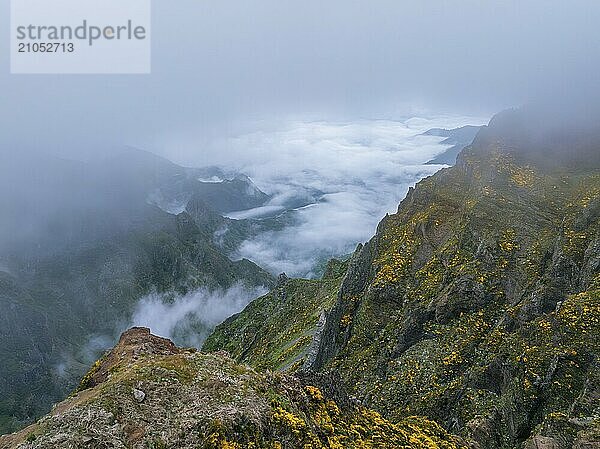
459	138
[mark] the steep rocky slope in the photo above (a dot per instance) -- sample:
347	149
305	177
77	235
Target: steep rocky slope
477	304
147	393
276	330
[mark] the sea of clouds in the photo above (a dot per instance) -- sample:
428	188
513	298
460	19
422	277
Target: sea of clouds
350	174
363	169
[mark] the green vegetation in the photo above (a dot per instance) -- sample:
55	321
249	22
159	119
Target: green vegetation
264	336
54	305
483	310
474	311
476	305
207	400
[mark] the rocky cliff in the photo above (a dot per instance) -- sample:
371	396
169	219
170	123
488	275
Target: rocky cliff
477	304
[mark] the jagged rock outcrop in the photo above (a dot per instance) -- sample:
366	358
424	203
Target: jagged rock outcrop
135	343
147	393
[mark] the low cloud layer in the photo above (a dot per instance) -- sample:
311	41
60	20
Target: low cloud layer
189	319
363	169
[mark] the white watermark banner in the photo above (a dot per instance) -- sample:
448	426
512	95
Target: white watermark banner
80	36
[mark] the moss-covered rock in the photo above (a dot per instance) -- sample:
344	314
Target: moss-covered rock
195	400
476	304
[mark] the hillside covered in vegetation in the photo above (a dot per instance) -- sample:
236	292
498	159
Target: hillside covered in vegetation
92	247
476	305
471	319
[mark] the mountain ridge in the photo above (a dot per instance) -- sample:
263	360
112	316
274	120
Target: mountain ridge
459	138
463	306
75	280
148	393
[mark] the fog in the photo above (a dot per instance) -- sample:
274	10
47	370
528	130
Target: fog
313	95
218	66
321	103
189	319
362	168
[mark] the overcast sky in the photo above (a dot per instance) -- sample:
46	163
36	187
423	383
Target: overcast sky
219	66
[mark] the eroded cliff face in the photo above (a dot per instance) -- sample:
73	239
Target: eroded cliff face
477	304
147	393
